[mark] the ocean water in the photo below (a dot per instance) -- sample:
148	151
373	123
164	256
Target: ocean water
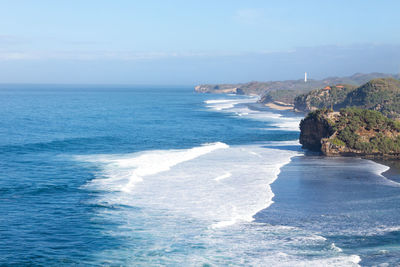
155	176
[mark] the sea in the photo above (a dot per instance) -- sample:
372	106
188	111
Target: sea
108	175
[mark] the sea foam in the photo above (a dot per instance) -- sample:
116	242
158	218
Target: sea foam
379	170
122	172
213	182
247	108
202	199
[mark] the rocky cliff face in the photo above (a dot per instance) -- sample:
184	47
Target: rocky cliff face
313	129
351	132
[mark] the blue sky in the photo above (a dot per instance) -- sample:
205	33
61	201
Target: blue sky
189	42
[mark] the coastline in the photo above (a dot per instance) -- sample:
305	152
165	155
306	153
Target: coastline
287	111
278	106
311	193
392	171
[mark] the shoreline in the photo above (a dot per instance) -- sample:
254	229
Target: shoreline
300	178
278	106
287	111
299	187
393	171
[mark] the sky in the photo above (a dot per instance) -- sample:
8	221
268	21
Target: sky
190	42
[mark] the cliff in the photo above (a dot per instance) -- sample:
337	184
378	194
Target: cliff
351	132
378	94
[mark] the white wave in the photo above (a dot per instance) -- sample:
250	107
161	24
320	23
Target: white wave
226	104
123	172
335	248
351	260
217	101
240	108
180	183
283	143
377	231
223	176
379	169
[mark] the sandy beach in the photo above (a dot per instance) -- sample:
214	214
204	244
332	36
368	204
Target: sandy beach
278	106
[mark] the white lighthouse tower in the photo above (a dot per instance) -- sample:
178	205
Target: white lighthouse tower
305	77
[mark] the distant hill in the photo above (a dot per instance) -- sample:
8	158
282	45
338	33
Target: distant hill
381	94
259	88
286	91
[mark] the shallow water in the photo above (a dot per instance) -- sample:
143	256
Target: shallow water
345	200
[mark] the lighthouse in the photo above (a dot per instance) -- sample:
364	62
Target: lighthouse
305	77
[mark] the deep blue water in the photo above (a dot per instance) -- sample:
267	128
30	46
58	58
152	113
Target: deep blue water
64	149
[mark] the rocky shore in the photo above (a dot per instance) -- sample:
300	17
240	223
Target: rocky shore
351	132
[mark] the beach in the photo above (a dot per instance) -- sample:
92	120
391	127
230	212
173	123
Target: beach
279	106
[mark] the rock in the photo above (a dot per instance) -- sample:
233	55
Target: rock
313	129
351	132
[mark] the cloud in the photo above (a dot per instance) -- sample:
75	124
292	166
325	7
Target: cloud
103	55
15	56
11	40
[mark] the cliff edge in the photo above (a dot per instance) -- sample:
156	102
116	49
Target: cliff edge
351	132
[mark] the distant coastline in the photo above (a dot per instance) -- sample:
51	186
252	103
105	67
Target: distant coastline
284	93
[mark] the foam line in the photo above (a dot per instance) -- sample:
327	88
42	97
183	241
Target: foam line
223	176
123	172
241	108
380	169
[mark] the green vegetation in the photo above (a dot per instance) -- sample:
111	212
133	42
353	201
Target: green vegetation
317	114
321	98
337	142
285	96
352	131
379	94
367	131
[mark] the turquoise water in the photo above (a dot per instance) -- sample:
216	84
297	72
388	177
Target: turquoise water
119	175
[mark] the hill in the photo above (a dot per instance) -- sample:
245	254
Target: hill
378	94
328	97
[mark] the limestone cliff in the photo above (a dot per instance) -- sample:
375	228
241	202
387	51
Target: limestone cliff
313	129
351	132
